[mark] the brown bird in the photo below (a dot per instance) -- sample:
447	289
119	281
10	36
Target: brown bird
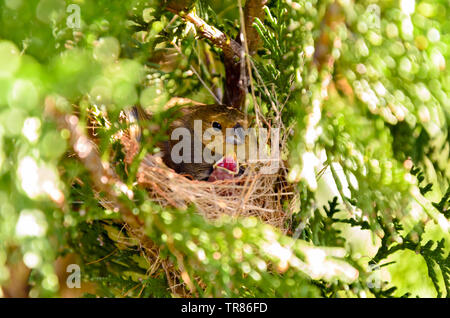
214	128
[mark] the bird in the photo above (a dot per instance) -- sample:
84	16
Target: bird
223	126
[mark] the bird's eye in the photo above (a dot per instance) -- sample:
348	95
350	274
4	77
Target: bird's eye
216	125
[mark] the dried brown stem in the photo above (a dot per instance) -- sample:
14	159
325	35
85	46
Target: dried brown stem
105	181
103	177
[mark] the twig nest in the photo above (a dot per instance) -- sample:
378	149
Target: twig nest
251	194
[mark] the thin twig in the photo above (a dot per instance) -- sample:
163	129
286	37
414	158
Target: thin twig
230	47
247	61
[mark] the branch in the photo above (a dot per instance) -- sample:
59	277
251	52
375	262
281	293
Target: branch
236	77
236	74
232	51
102	175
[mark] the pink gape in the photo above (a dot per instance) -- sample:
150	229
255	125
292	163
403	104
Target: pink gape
225	169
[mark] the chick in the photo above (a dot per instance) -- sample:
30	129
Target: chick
225	169
225	126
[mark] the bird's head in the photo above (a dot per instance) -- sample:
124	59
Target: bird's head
222	127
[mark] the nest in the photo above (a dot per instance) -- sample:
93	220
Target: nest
263	196
251	194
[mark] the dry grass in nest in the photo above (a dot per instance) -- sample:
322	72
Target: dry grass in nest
252	194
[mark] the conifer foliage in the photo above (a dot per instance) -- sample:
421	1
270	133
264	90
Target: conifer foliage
360	90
